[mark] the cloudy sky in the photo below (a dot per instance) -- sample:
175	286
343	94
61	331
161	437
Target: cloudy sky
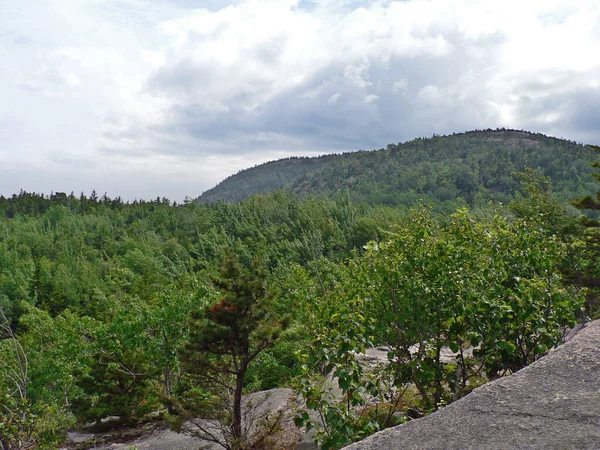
146	98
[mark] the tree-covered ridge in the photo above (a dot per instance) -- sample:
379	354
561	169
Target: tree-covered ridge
448	171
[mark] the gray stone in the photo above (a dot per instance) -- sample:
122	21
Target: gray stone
260	406
166	440
552	404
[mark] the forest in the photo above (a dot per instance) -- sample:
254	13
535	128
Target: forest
448	172
151	309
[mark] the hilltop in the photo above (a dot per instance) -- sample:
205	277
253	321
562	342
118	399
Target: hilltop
472	168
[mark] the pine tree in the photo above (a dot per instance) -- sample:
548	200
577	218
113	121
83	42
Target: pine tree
226	338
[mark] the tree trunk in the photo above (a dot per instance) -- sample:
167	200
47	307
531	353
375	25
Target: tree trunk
236	426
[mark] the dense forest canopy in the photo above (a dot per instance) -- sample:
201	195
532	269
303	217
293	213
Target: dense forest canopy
112	308
447	171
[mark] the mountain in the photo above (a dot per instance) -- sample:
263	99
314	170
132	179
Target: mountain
472	168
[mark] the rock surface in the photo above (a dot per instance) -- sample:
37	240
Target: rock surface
274	403
552	404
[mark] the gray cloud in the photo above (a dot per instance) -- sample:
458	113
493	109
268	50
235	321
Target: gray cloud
331	111
572	115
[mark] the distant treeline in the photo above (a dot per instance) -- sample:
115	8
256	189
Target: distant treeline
31	203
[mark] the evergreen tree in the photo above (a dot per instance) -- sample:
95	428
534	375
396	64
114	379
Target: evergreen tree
226	337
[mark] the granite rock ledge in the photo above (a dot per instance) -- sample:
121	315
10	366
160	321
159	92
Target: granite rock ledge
552	404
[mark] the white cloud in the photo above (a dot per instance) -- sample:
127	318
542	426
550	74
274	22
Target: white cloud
334	98
358	74
430	94
371	98
400	86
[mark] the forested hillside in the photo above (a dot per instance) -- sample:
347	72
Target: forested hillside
446	171
135	310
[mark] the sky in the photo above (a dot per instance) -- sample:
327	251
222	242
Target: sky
147	98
